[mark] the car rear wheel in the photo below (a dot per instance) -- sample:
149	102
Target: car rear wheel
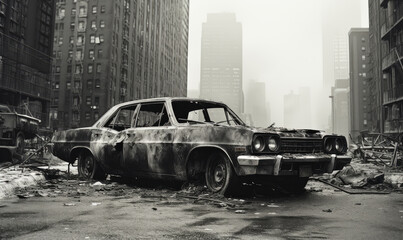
89	168
220	176
20	143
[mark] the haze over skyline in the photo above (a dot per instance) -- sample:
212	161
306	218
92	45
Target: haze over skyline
282	46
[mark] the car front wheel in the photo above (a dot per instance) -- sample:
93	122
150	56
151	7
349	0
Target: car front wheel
220	176
88	167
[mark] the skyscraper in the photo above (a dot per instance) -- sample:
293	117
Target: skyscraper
221	60
297	109
256	105
26	34
391	19
359	86
114	51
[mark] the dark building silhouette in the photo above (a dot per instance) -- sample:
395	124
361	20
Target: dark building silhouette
221	60
26	35
114	51
360	104
386	73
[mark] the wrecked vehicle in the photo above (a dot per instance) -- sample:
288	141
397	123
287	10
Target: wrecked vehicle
14	129
188	139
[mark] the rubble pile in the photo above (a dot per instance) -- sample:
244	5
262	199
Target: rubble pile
376	165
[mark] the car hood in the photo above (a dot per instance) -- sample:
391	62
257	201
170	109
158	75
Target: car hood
285	132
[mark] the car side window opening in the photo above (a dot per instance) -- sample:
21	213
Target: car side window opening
203	112
153	115
122	119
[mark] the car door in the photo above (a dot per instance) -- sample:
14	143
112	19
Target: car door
114	132
147	150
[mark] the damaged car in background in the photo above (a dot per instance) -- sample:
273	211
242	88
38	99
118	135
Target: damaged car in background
191	139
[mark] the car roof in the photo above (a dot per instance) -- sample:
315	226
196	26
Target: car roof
161	99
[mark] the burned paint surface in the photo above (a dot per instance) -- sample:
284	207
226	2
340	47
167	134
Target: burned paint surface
165	151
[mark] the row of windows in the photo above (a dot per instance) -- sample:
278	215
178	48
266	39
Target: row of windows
79	68
82	11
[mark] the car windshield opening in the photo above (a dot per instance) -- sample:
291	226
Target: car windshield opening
194	112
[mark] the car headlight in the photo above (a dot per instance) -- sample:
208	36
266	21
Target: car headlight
258	144
329	144
272	144
339	145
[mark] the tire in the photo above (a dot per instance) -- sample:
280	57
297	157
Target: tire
20	143
220	176
89	168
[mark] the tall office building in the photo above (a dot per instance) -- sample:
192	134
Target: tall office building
256	105
297	109
375	67
392	64
26	34
338	17
340	108
360	103
114	51
221	60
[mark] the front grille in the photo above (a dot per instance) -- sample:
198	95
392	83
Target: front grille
301	145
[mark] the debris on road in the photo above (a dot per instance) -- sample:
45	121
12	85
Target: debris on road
327	210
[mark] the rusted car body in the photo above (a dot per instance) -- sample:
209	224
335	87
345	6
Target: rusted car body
14	129
185	139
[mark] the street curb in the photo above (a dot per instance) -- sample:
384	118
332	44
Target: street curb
13	177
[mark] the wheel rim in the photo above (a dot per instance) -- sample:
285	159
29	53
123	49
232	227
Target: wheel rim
216	174
87	166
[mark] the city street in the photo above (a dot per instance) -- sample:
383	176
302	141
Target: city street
72	209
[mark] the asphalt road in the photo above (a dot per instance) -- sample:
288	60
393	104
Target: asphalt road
78	210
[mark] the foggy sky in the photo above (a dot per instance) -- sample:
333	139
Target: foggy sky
282	45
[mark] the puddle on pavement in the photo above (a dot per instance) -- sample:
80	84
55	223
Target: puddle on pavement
284	226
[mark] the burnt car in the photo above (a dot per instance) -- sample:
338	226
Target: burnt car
189	139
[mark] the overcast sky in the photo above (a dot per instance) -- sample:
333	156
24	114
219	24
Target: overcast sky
282	43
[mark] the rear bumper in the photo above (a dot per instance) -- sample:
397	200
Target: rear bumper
302	165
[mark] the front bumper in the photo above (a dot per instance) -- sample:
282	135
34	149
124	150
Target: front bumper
302	165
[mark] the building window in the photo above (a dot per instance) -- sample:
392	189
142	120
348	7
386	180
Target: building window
73	12
81	26
102	8
363	39
101	38
78	69
94	9
89	84
96	101
90	68
68	85
80	40
100	53
97	83
364	66
88	100
72	39
98	67
57	70
57	85
92	38
93	25
91	54
60	40
87	116
363	57
102	24
96	115
83	11
72	26
362	48
69	68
